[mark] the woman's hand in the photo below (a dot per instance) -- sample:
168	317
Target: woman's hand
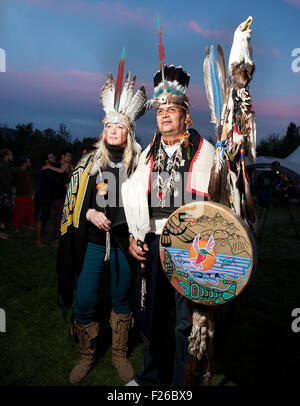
98	219
136	252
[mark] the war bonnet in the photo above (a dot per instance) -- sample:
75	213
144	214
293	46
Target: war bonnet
121	105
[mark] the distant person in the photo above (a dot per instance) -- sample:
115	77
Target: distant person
84	152
6	191
63	169
65	157
42	197
23	202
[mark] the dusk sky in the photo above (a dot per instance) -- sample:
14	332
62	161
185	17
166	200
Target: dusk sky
58	53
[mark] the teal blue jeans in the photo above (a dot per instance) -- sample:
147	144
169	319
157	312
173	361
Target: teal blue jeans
89	281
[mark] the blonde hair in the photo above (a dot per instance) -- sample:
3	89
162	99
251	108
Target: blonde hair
130	156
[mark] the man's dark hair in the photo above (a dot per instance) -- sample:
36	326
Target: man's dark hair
63	152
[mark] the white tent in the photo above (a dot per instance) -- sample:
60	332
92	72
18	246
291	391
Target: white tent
291	169
294	156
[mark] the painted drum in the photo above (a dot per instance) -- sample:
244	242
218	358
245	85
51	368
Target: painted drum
207	252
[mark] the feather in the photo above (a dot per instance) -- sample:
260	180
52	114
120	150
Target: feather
134	195
161	48
124	95
222	74
252	138
207	82
130	93
216	86
107	94
137	103
119	80
214	81
234	192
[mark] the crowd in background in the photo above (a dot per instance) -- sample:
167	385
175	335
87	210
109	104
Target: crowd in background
23	202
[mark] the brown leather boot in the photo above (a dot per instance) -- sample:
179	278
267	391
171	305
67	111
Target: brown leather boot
87	336
120	324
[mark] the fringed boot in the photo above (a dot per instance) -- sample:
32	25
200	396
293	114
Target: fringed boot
87	336
120	324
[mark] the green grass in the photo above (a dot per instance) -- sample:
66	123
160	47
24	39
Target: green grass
258	349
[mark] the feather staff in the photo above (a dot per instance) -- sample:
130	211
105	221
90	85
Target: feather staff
161	48
134	195
235	126
119	80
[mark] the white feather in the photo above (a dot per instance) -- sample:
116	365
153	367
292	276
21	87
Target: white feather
137	103
107	94
129	95
135	200
124	95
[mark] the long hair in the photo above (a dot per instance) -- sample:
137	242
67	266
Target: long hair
130	157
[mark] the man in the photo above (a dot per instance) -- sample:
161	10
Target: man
6	179
23	203
42	197
175	169
65	158
59	189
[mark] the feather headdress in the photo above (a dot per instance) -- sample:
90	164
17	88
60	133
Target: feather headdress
121	105
170	83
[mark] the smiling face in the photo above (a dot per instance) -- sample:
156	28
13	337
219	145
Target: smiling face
115	134
170	120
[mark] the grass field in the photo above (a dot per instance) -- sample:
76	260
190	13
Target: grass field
260	348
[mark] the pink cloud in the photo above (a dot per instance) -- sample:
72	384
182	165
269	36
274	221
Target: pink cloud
273	52
99	11
285	107
295	3
288	109
52	88
203	31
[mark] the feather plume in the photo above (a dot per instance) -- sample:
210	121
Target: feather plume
215	83
107	94
124	95
119	80
137	103
130	93
134	195
161	48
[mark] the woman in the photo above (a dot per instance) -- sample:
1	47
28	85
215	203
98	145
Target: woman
94	228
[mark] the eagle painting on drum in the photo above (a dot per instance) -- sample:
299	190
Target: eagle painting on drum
215	263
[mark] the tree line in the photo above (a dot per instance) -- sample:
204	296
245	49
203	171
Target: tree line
30	141
280	147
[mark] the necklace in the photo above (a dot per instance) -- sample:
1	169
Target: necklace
173	163
116	165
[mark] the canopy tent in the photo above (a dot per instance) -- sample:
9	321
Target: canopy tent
267	173
294	156
289	168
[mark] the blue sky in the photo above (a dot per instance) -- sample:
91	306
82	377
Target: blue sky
58	53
